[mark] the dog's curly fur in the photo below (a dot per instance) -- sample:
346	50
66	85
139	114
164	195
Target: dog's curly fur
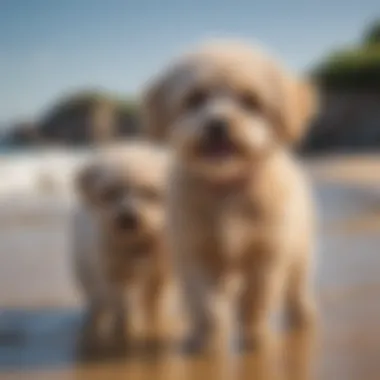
239	203
119	243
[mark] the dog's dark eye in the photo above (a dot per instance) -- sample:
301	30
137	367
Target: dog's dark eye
149	194
196	99
112	193
249	102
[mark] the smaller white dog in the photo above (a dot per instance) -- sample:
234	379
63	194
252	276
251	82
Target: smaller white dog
118	242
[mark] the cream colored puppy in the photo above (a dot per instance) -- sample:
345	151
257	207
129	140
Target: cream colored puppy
239	204
119	243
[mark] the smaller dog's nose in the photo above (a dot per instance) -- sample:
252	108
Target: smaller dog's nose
217	129
127	219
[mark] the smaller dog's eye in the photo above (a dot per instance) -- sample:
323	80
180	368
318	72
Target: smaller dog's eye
250	102
149	194
196	99
112	193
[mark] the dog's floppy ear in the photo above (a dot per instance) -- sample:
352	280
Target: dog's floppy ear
154	110
299	108
85	181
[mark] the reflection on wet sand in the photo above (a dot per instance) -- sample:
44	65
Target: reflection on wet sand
288	358
43	351
281	360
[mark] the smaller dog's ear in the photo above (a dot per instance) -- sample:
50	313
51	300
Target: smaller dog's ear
85	181
154	111
301	106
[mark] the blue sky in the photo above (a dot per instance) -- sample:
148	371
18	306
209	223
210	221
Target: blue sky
51	47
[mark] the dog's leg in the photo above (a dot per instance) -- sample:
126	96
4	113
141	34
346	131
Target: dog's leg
152	304
119	327
262	286
92	333
105	324
209	311
300	308
196	296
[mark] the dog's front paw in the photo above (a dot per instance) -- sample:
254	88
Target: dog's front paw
254	339
300	316
120	345
155	345
90	343
195	343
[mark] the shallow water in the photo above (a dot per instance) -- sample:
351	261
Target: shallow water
40	318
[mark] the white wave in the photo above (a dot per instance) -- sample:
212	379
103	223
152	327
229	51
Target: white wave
34	173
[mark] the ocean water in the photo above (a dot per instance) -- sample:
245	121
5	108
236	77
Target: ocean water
33	173
36	200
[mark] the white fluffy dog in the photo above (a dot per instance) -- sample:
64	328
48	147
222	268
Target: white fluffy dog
239	204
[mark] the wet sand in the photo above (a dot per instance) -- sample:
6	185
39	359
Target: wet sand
40	308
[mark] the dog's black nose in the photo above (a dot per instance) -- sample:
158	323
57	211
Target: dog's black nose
217	129
127	219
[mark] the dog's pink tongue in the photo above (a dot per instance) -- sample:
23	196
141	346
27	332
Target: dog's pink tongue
218	149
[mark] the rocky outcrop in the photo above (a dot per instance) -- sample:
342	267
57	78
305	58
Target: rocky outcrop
78	120
349	121
88	118
349	82
22	134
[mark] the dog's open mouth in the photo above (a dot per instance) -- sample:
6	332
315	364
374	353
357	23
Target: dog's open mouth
139	248
217	149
